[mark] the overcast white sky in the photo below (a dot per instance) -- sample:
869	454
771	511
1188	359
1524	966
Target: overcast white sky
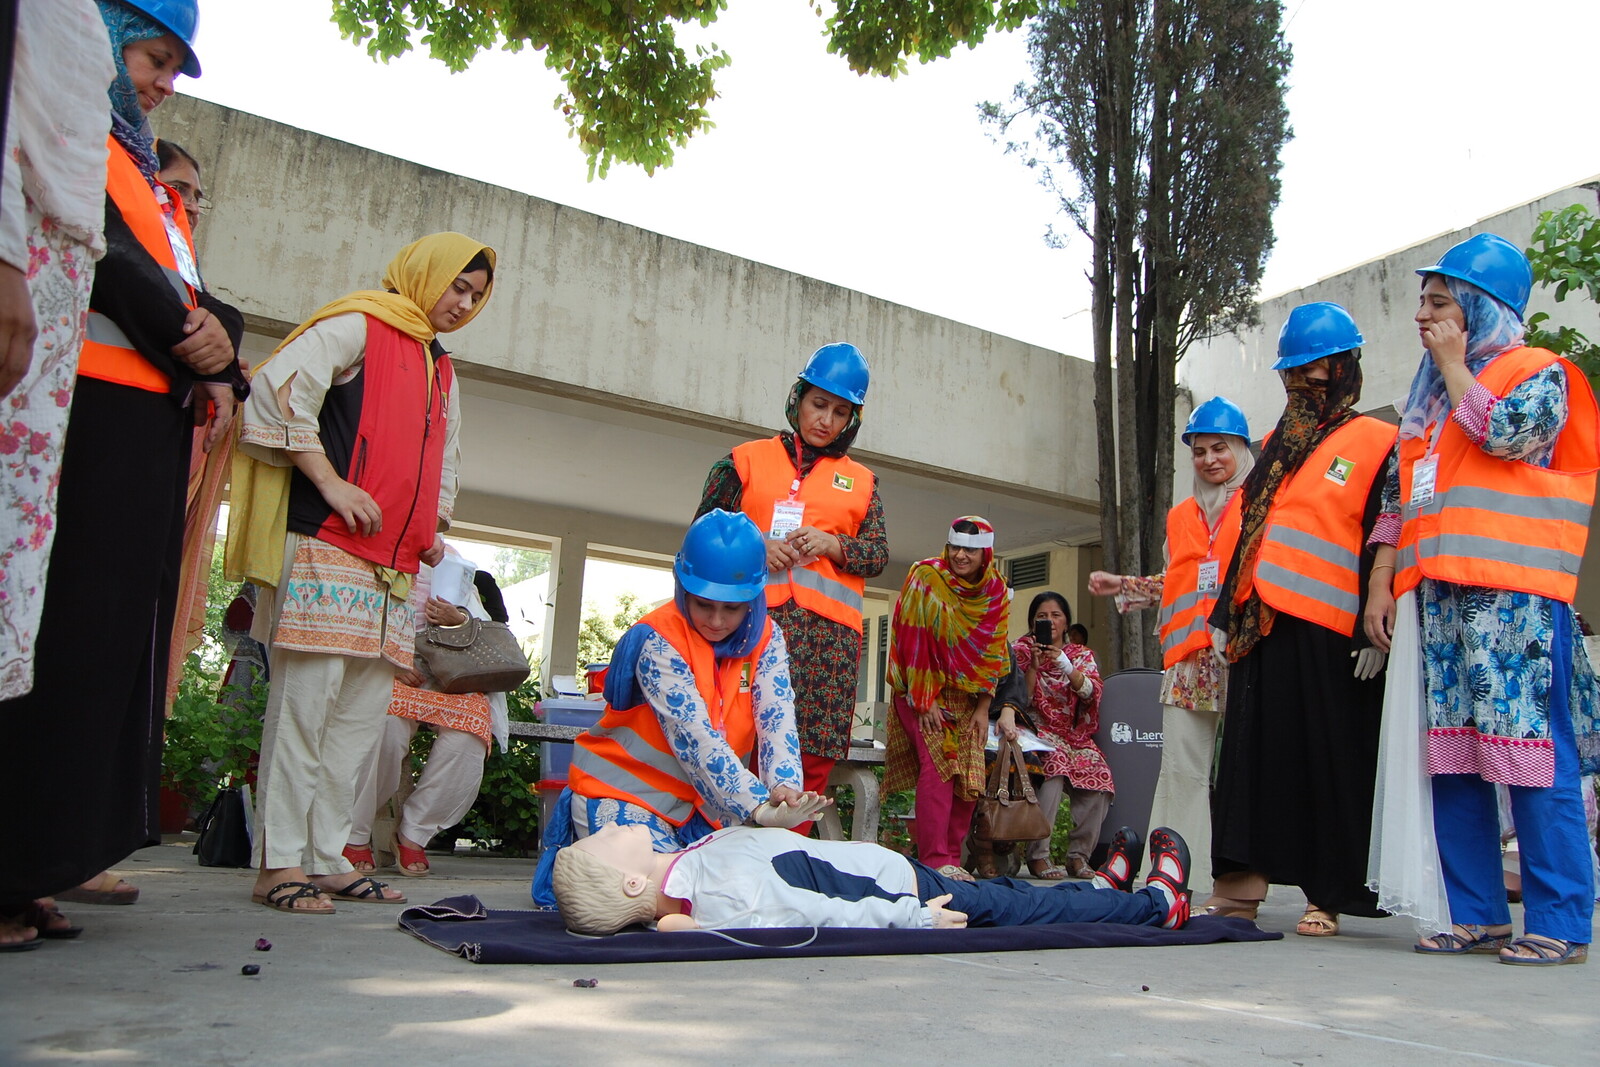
1410	119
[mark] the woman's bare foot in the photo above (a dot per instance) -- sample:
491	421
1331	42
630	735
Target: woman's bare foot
13	931
284	888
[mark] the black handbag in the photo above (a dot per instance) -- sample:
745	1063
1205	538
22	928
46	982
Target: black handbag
224	831
475	657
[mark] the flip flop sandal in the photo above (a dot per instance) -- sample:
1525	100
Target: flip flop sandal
1317	923
365	891
361	858
1232	908
278	900
406	856
1547	952
1450	943
956	874
39	917
107	889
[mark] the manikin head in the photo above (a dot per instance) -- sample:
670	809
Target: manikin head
603	882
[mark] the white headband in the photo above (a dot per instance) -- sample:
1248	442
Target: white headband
981	539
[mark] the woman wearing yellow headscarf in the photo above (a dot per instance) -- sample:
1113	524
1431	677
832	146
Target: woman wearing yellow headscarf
345	476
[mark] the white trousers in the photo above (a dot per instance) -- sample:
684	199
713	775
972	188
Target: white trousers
1183	788
324	716
444	793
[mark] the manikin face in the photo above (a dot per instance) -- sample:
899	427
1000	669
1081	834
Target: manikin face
822	417
1213	459
715	619
1051	613
966	562
1436	305
152	67
461	297
627	848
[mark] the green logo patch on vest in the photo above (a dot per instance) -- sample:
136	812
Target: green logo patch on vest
841	482
1339	470
744	678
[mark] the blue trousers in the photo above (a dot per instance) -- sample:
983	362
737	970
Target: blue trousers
1011	902
1557	875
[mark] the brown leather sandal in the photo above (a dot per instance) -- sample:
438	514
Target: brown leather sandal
1317	923
1232	908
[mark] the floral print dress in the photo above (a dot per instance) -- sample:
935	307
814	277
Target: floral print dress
1065	720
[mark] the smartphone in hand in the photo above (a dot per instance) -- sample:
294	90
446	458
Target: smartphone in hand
1042	631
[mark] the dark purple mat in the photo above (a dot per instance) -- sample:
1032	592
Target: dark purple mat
463	926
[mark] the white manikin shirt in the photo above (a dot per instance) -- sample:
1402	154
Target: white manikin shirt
745	877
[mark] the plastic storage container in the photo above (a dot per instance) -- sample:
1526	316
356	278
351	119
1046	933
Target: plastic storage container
555	756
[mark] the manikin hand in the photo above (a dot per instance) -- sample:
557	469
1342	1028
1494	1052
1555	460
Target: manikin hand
789	814
945	918
1369	661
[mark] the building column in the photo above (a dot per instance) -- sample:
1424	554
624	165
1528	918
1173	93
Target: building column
564	616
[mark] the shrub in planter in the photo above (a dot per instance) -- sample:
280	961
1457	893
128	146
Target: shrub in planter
210	735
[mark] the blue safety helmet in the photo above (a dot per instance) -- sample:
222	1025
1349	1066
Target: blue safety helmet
1493	264
841	369
1217	415
724	557
1314	331
179	18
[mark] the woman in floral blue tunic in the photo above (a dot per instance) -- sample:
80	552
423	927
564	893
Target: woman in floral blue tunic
1498	448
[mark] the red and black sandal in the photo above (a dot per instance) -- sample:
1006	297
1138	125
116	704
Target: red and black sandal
1121	866
1169	872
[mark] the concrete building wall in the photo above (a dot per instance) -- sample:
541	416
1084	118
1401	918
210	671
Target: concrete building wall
588	307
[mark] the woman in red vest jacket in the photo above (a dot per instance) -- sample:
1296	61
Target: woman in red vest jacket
1485	516
1201	534
1293	800
823	521
345	476
696	688
157	352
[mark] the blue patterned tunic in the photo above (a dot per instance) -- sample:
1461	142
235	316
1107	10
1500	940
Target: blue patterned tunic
1487	652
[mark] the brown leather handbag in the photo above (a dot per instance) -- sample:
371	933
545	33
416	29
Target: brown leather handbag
1009	810
475	657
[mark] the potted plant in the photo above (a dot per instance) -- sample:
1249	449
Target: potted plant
209	736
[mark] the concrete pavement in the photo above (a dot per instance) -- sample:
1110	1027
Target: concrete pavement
160	982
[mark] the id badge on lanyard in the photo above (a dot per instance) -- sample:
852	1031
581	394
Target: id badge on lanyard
1425	474
1208	579
182	254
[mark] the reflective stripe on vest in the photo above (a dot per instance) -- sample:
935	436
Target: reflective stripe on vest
107	354
1184	610
587	761
836	493
1504	524
1309	563
626	756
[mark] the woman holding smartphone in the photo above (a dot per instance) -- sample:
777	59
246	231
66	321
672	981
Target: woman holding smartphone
1063	685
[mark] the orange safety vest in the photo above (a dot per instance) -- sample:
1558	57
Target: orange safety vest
835	493
107	353
1498	523
626	756
1190	542
1310	557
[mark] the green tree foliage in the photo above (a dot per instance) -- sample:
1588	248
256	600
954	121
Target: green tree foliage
598	634
513	565
1159	123
1566	254
633	93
